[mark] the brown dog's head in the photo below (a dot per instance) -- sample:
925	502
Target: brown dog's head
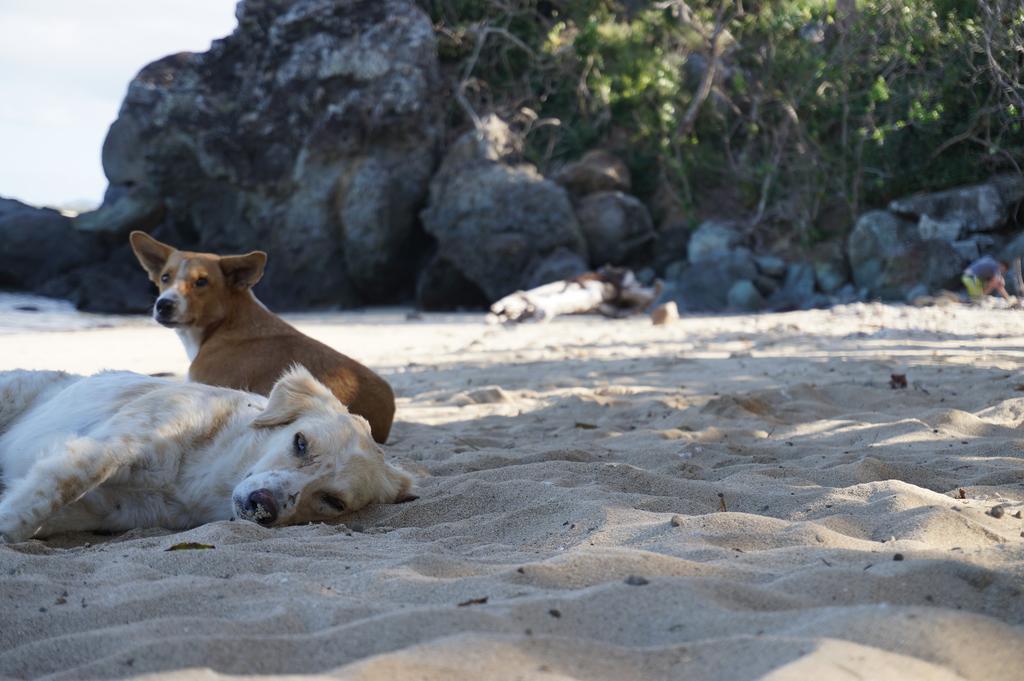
195	288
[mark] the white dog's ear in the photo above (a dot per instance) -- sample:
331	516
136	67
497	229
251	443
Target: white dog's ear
152	254
294	393
402	481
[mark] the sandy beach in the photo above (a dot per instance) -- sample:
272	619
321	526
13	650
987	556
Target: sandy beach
728	497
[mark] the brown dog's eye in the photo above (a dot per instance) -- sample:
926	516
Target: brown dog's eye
334	502
164	278
300	444
201	282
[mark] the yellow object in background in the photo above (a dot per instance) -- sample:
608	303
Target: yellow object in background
975	287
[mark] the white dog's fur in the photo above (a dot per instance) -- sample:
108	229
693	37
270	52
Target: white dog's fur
120	450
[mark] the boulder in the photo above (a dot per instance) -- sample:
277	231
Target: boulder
1013	250
770	265
310	132
888	257
558	265
974	208
743	295
944	230
705	285
616	227
38	244
596	171
441	286
797	290
831	272
495	218
711	240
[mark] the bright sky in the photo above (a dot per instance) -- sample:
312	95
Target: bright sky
64	68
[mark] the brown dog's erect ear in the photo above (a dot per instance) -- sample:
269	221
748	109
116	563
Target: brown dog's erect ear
151	253
294	393
243	271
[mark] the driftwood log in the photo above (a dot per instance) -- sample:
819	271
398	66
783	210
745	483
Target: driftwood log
611	291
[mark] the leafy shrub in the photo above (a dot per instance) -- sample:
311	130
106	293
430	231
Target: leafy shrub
815	108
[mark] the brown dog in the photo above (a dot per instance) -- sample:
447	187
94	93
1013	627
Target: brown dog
236	342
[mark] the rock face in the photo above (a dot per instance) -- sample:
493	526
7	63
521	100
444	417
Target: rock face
310	132
616	227
496	219
38	244
974	208
41	252
889	258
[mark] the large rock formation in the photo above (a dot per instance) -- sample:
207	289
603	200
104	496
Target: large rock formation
41	252
616	227
310	132
495	218
975	208
889	258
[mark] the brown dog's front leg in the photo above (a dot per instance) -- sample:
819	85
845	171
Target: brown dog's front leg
59	477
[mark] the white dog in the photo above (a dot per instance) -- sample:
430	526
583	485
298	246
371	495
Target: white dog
119	450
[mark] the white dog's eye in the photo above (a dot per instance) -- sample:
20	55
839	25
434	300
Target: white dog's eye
300	444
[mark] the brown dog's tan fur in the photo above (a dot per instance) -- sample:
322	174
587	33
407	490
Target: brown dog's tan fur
236	342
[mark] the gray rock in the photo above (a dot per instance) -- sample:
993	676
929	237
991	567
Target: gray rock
945	230
915	293
848	294
616	227
978	208
831	276
441	286
38	244
771	265
967	249
494	220
310	132
124	208
675	270
888	257
596	171
797	291
766	285
704	286
743	295
560	264
831	271
711	240
1013	250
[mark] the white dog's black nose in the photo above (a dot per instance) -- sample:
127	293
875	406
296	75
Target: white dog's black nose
164	308
261	507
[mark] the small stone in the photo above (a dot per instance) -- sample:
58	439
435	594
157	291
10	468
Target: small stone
554	612
898	556
677	521
664	314
636	580
997	511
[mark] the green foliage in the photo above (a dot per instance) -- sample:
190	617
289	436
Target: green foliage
809	108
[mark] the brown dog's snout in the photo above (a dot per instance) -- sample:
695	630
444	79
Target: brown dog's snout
164	308
262	506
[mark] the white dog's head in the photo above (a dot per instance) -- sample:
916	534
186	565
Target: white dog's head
319	461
